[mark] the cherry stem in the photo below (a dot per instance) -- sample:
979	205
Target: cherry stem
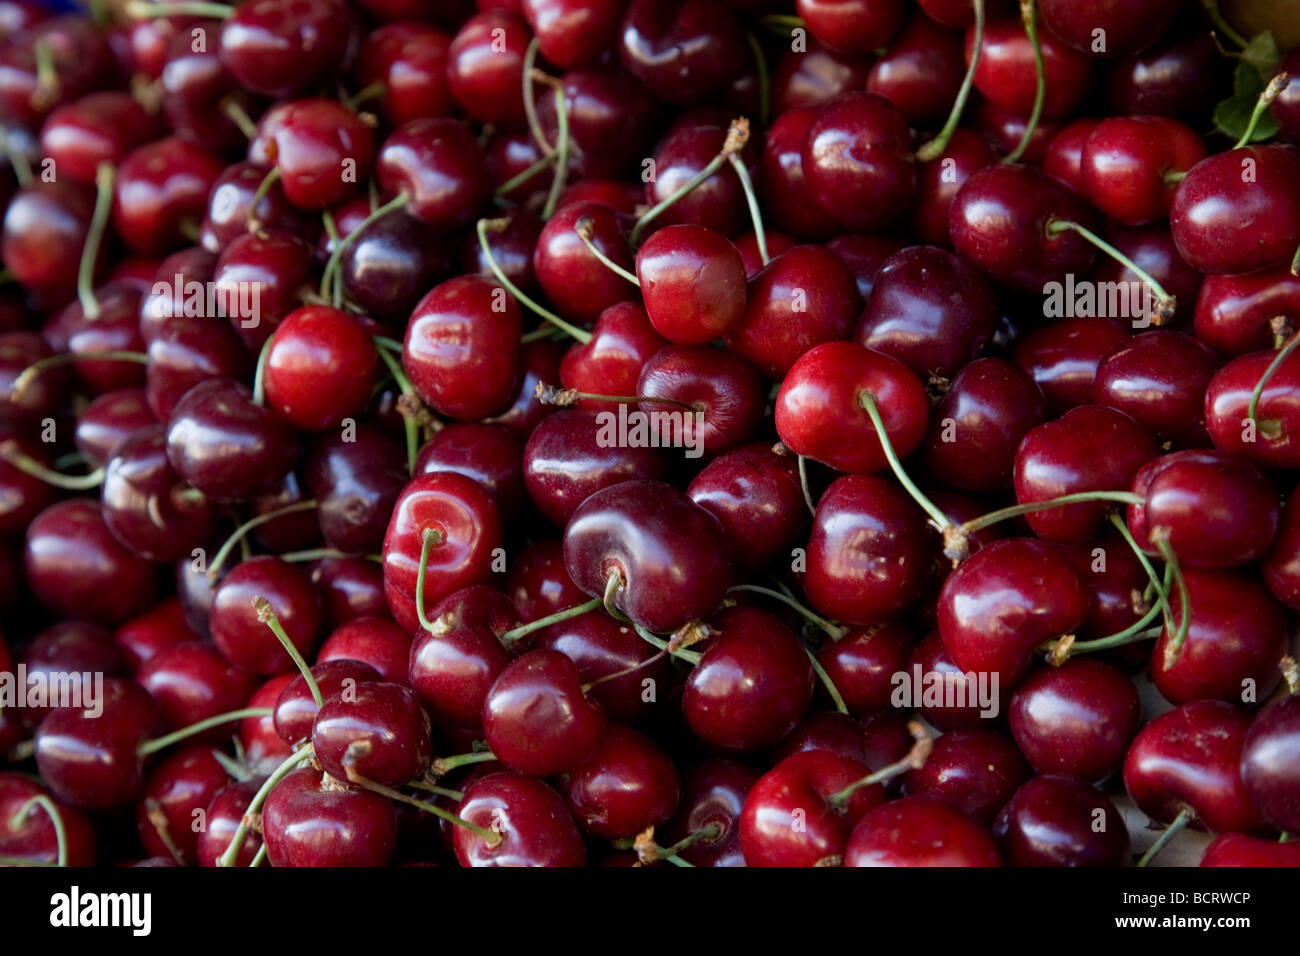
409	422
691	657
517	180
1275	87
428	538
587	687
331	285
18	159
1160	538
231	765
165	741
764	76
259	372
239	533
568	397
445	765
1184	817
1062	649
153	812
1252	409
832	630
104	176
236	113
782	23
31	372
613	584
561	150
737	137
146	9
290	764
1165	303
934	148
263	188
1028	16
1290	668
56	819
29	465
266	614
581	335
396	795
914	759
259	857
1222	25
447	792
585	229
372	92
1032	507
47	74
802	464
751	200
648	851
1161	592
530	98
318	554
868	401
514	634
829	684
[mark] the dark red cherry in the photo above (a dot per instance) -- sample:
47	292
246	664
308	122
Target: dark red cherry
862	664
682	51
320	368
531	819
1171	78
410	60
1234	312
294	709
145	635
108	420
1005	600
308	820
279	50
437	163
349	588
24	495
669	555
577	284
1238	849
1006	73
813	76
787	199
490	454
537	582
261	278
237	630
712	794
29	833
536	718
512	250
851	26
199	96
723	392
921	72
453	666
753	682
376	730
79	61
539	362
612	123
389	264
161	193
858	146
45	227
376	641
1063	357
919	831
1138	377
628	784
939	180
185	352
59	660
610	364
90	759
692	283
485	67
1280	568
1131	165
192	682
1109	29
77	568
1059	820
975	770
1268	440
690	145
222	817
1268	764
99	128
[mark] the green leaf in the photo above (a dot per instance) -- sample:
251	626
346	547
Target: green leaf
1262	53
1232	116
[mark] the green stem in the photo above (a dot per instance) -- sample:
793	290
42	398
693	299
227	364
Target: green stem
29	465
1179	822
1161	594
259	372
942	520
912	760
236	113
517	180
514	634
165	741
372	92
1033	507
781	22
1139	630
751	200
561	151
145	10
396	795
331	285
56	819
1285	352
764	80
313	554
445	765
290	764
935	147
832	630
1266	98
1222	25
1165	303
409	422
31	372
829	684
580	335
436	790
737	137
530	99
1029	18
104	177
264	187
260	856
428	538
1175	644
691	657
242	531
266	614
585	229
802	464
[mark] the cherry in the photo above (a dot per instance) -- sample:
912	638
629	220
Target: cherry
112	325
29	832
834	379
657	557
464	529
237	626
922	71
687	150
223	816
1234	312
77	568
1185	764
1236	637
1268	769
79	61
577	284
858	145
536	718
622	341
1005	600
825	730
440	167
862	662
308	820
200	99
25	495
940	179
511	247
59	656
349	588
182	783
1075	719
1006	74
721	391
375	731
814	76
537	582
682	51
1171	78
787	199
1238	849
1063	357
485	67
235	201
191	682
266	274
161	627
1136	377
612	119
1059	820
1131	165
320	367
99	127
409	59
279	50
975	770
692	282
628	784
376	641
1265	437
294	707
851	26
454	664
712	795
802	298
321	149
224	444
94	762
45	227
490	454
164	300
161	192
390	263
919	831
531	820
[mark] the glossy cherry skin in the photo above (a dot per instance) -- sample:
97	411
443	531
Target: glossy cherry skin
862	663
919	831
870	551
921	72
462	347
752	685
355	478
490	454
100	127
712	793
1006	72
1233	312
851	26
1075	719
537	582
788	819
975	770
308	822
622	341
79	59
198	93
805	296
485	67
184	352
1271	443
1137	377
376	641
267	273
77	568
117	328
536	718
1054	821
1268	763
349	588
1238	849
939	180
1005	600
222	818
230	207
45	228
670	555
858	146
692	283
1127	28
532	820
410	59
454	666
1089	448
376	730
32	836
92	762
1127	161
612	123
244	640
819	410
322	149
681	51
1280	568
566	461
1190	758
61	655
25	495
183	782
158	187
577	284
225	445
391	263
1111	572
930	309
468	524
192	682
294	709
723	391
279	50
1062	357
754	492
628	784
320	368
787	199
1235	213
440	166
158	628
1238	635
511	246
687	148
999	220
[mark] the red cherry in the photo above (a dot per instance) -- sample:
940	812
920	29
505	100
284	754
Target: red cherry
628	784
439	165
377	731
320	368
453	666
919	831
1054	821
1127	162
279	50
531	819
975	770
308	821
237	629
692	282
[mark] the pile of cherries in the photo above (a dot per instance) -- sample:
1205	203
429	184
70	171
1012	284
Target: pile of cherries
557	432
